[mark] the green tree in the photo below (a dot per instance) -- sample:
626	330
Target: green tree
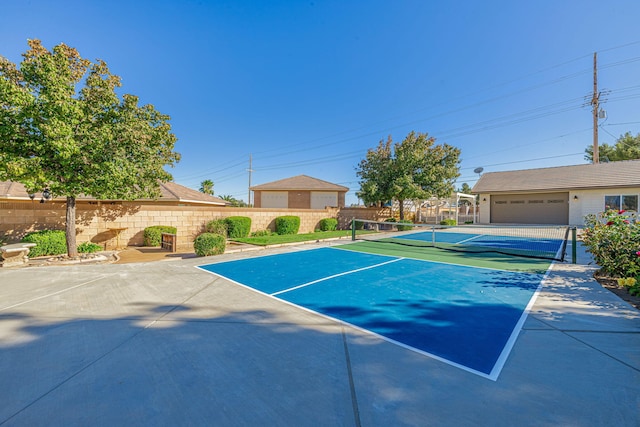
206	187
416	168
236	203
627	147
77	138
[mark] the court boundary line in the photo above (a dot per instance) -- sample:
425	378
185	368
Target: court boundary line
515	333
313	282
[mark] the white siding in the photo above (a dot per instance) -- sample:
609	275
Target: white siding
591	202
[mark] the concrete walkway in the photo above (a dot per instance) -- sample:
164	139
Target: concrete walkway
166	344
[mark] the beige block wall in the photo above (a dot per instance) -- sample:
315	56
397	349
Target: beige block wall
96	222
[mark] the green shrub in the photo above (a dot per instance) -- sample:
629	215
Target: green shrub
209	244
613	238
404	228
89	247
217	226
153	234
449	221
261	233
328	224
238	226
359	225
48	242
287	224
390	220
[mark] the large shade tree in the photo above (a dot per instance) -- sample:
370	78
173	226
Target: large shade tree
626	147
78	137
416	168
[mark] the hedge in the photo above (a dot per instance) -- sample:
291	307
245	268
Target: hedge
287	224
48	242
209	244
153	234
217	226
404	227
238	226
328	224
54	242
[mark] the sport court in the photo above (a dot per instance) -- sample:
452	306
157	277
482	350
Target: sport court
466	316
165	343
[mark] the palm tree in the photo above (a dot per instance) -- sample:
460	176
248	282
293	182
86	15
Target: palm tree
206	187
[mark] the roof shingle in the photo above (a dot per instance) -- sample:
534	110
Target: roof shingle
579	177
300	182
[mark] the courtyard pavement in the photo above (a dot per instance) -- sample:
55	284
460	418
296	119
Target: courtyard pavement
166	344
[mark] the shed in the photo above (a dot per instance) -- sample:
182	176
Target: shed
299	192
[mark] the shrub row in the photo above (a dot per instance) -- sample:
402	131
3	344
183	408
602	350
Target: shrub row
153	234
53	242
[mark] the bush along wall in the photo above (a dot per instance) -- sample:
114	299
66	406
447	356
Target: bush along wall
287	224
238	226
48	242
217	226
209	244
328	224
153	234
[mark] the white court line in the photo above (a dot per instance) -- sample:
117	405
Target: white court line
52	294
334	276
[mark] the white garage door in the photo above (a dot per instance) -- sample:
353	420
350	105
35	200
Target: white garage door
321	199
274	199
541	208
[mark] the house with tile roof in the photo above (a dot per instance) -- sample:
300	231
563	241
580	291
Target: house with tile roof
171	194
299	192
558	195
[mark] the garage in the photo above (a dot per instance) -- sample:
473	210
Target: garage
321	199
275	199
534	208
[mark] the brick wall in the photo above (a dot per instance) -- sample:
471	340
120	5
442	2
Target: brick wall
95	221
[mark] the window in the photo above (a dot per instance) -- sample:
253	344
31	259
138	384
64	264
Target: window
627	202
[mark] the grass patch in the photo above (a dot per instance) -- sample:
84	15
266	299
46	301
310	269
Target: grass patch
277	239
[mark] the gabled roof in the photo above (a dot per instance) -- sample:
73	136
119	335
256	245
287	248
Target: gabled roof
579	177
300	182
169	191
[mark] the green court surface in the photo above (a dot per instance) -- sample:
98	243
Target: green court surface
483	260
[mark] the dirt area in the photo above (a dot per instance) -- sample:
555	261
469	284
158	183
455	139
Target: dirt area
622	292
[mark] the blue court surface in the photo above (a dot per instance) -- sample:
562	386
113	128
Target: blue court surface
465	316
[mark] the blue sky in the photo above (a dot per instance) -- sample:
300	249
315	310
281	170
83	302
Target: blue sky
306	87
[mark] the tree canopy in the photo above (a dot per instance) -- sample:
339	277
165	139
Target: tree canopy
626	147
415	168
73	137
206	187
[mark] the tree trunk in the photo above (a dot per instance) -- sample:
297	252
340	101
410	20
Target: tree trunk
401	205
72	247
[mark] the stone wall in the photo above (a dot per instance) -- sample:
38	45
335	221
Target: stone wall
98	221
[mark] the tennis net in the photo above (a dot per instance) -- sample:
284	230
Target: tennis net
544	242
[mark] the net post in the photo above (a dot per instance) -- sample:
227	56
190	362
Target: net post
574	249
353	228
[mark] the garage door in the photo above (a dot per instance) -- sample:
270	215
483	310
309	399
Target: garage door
321	199
541	208
274	199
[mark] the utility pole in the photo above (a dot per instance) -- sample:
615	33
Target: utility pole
249	170
595	102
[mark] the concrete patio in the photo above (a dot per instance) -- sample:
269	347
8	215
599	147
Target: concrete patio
164	343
